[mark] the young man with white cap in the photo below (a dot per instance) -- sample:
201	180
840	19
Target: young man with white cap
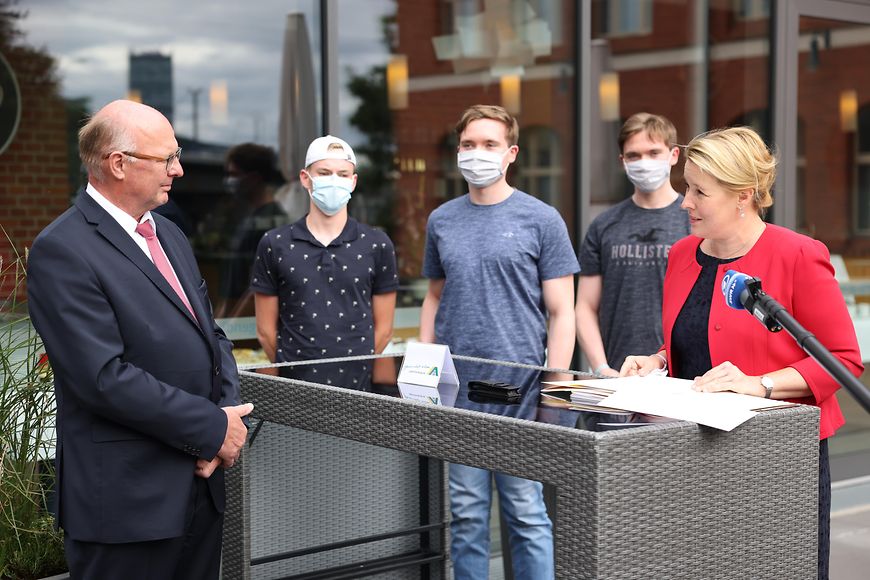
325	286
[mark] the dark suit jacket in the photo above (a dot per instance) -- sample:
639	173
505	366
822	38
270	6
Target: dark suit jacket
139	382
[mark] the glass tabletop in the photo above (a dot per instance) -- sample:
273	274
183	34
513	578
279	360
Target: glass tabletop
379	375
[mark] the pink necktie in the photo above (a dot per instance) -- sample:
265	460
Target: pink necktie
146	231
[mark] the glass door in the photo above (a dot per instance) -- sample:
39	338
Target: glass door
825	149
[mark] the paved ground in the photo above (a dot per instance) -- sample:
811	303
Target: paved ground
850	530
850	545
850	501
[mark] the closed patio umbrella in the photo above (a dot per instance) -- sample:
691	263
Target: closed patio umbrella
297	122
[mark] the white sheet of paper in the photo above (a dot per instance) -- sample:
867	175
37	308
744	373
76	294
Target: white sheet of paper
675	398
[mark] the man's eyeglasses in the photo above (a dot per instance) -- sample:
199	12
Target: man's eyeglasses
167	160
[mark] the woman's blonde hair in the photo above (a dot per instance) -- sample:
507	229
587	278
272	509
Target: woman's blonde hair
738	159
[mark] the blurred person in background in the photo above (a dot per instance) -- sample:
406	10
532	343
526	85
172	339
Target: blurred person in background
251	177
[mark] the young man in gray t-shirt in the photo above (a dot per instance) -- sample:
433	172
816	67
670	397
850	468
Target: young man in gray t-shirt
624	254
500	268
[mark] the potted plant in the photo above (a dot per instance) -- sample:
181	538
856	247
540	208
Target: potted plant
30	545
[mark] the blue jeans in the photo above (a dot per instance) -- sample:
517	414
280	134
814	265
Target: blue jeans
530	531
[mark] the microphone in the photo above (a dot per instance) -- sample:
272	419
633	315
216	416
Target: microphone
734	289
744	292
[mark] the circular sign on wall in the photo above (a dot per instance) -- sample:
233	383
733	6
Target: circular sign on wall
10	104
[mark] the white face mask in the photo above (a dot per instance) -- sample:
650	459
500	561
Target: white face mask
648	174
480	168
330	193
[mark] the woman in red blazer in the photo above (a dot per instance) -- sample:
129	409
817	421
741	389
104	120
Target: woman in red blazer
729	174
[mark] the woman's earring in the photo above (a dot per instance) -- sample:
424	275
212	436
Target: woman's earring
742	213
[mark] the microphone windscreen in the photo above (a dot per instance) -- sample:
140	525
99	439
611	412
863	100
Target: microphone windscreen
733	285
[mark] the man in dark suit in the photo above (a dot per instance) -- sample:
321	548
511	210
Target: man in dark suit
148	408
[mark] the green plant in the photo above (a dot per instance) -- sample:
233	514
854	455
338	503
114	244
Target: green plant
30	546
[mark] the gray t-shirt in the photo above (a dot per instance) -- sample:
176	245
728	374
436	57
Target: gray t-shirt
628	246
493	259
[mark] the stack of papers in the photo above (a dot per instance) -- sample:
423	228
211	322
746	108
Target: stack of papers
579	396
659	395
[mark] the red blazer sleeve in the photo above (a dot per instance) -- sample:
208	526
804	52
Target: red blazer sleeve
818	304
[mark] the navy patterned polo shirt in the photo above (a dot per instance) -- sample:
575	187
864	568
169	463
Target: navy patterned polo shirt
324	292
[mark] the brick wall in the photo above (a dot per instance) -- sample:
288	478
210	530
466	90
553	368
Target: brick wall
34	183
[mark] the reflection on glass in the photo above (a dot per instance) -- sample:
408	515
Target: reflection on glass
379	376
662	56
220	86
538	165
834	176
251	179
506	52
863	161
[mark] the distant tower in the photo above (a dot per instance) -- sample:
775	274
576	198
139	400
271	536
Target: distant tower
151	81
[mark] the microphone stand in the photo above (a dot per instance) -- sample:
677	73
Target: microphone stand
775	317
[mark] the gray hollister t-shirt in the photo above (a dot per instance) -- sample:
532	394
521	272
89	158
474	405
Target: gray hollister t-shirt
493	259
628	246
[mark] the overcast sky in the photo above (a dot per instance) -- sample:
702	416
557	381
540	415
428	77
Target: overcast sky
221	40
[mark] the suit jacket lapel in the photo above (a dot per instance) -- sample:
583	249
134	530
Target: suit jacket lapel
188	284
107	227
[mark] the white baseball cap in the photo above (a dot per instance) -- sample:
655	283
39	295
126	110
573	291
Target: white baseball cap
329	147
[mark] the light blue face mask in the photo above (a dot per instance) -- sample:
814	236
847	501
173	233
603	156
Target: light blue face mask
330	192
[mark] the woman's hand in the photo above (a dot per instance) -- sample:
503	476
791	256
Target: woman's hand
640	365
727	377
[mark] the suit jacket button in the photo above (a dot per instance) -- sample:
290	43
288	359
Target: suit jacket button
718	327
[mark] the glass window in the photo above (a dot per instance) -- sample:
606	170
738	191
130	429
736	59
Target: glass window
626	17
834	172
698	77
834	116
752	9
539	164
862	193
221	86
443	57
451	184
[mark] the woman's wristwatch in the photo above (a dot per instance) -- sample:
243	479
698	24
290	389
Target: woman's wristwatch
767	383
663	359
